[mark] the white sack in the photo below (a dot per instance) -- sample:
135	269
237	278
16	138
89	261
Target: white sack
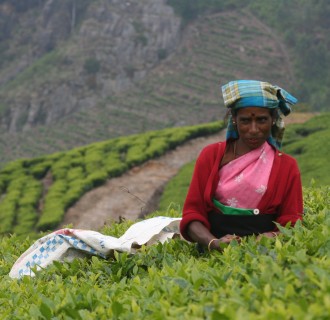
67	244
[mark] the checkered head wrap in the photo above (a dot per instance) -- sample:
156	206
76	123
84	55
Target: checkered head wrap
251	93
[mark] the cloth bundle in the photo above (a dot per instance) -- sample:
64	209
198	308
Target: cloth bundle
67	244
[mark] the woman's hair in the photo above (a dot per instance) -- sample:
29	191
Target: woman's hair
226	117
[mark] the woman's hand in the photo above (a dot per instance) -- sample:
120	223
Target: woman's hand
218	243
200	234
229	237
271	234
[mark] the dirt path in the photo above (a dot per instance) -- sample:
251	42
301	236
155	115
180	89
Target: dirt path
135	193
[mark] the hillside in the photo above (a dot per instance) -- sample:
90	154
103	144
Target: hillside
180	88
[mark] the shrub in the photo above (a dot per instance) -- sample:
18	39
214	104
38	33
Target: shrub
39	170
162	54
52	214
97	178
114	165
92	66
157	147
76	173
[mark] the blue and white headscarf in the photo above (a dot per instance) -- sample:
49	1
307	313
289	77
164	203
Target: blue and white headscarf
251	93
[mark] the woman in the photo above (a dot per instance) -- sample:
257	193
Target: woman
241	186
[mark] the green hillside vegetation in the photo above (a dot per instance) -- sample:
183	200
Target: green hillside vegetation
283	278
35	193
176	189
302	25
309	143
182	90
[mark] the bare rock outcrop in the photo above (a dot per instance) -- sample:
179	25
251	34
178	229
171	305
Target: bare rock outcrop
74	53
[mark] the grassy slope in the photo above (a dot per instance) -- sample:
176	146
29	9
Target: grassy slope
309	143
183	90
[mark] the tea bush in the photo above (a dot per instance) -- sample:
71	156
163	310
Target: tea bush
286	277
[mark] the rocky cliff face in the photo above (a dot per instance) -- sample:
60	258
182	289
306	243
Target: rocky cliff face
62	56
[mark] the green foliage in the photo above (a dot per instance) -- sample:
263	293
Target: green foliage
4	109
309	143
304	26
92	66
283	278
54	207
176	189
37	192
162	54
40	69
190	10
136	153
114	165
40	169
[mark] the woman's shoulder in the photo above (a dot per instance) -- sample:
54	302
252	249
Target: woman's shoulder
284	160
211	152
287	162
286	157
213	148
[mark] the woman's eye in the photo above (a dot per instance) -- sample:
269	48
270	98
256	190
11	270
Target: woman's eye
244	121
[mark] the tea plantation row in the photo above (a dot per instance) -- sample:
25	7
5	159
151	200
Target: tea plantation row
35	193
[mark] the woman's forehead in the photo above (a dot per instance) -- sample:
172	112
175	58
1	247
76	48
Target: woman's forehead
253	111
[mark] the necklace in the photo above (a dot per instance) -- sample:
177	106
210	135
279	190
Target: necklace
235	153
235	149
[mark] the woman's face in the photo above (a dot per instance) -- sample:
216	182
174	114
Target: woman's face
253	125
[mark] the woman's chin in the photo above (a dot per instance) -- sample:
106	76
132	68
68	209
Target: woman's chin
254	143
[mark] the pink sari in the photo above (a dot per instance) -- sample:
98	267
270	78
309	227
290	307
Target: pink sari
244	180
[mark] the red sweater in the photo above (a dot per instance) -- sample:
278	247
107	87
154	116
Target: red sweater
283	195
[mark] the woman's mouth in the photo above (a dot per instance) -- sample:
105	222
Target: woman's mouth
253	140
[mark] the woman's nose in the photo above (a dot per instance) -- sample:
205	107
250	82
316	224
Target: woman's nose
254	127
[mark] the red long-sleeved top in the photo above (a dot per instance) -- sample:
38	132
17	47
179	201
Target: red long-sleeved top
283	195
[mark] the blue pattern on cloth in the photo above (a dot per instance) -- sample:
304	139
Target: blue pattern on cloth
53	244
252	93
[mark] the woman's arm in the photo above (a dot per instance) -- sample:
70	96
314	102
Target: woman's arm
200	234
291	208
198	202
